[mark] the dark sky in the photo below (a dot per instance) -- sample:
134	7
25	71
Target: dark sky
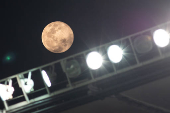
93	22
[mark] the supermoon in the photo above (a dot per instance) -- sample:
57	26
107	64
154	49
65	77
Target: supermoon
57	37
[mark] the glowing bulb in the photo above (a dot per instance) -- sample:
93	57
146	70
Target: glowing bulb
115	53
46	78
6	92
94	60
161	37
27	84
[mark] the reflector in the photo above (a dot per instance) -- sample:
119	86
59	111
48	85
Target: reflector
143	44
73	68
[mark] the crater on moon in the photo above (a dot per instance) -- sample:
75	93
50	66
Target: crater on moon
57	37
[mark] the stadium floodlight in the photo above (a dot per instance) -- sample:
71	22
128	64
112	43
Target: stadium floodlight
161	37
72	68
143	44
115	53
46	78
6	91
94	60
28	83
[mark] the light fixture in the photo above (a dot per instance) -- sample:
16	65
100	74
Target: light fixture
143	44
94	60
6	91
28	83
46	78
161	37
115	53
72	68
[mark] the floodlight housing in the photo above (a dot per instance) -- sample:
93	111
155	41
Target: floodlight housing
143	44
27	84
72	68
6	91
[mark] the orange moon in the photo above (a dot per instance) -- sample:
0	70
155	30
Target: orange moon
57	37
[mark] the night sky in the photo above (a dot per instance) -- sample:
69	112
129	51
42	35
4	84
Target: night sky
94	22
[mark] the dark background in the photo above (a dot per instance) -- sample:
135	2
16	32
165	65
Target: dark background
94	22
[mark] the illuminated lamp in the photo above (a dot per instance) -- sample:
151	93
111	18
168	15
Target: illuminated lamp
28	83
94	60
161	37
46	78
115	53
6	91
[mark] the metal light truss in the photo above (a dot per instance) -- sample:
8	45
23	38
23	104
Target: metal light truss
93	79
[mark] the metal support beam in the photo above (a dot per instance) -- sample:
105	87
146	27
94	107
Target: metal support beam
144	105
6	105
63	66
160	53
91	74
131	44
21	86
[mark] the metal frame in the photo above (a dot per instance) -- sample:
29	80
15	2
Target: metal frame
138	64
140	104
